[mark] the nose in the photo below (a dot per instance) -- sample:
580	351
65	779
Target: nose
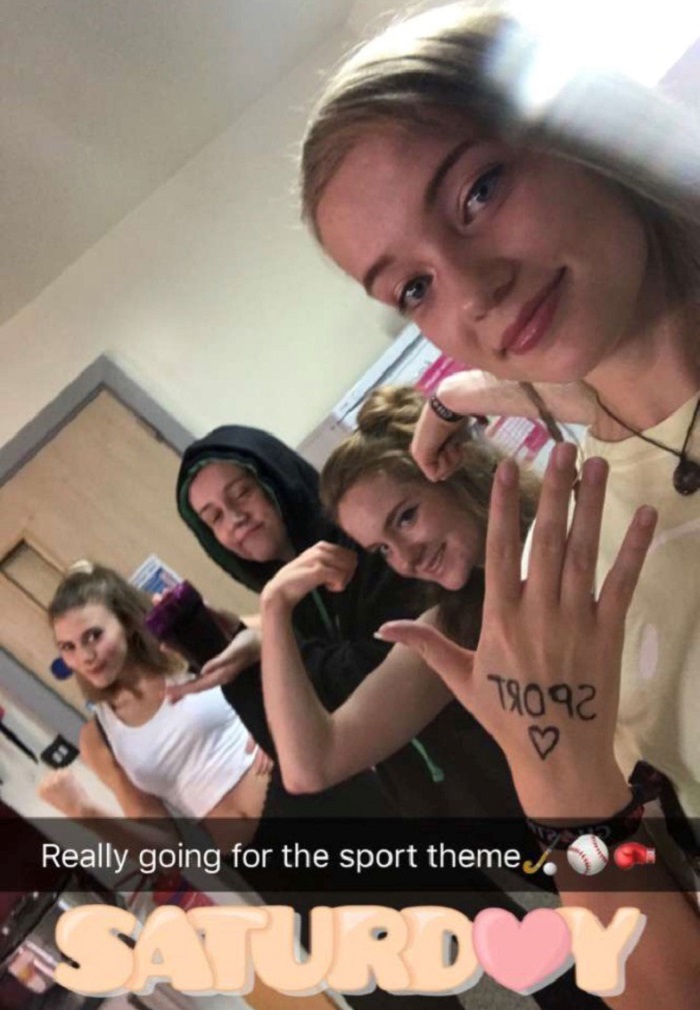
476	282
406	557
236	516
87	656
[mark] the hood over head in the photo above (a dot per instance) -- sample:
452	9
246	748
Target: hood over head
288	479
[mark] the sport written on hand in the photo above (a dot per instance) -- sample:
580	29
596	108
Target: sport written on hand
534	701
549	650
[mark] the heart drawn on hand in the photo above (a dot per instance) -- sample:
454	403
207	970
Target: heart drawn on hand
544	740
522	955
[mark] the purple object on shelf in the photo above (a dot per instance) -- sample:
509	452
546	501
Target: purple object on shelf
183	622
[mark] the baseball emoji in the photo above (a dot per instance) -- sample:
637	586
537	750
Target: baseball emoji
588	855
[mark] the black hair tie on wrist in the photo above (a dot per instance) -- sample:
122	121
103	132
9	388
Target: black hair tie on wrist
443	412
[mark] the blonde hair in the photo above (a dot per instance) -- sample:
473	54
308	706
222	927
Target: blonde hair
445	60
87	583
381	444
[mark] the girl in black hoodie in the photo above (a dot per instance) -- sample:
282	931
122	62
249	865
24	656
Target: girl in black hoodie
253	504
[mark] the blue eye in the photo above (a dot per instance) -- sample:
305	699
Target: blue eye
413	293
481	192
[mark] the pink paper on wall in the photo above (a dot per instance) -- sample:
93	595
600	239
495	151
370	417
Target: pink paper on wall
437	371
518	437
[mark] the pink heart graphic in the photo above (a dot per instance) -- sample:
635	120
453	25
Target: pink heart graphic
522	955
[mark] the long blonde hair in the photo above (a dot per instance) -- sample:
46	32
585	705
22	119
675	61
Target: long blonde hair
381	444
451	59
88	583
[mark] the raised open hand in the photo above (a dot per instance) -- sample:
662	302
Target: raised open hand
545	677
239	654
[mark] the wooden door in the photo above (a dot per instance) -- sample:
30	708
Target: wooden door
103	488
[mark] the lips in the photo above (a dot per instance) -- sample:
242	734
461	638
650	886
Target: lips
534	319
248	533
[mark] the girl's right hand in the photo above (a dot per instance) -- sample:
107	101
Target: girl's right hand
436	445
262	762
544	680
238	655
62	790
324	564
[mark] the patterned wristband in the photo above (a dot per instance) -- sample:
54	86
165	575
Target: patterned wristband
443	412
616	829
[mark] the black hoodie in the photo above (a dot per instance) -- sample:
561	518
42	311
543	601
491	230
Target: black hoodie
334	632
334	629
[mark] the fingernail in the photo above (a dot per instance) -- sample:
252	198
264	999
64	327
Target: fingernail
507	473
378	634
564	454
646	516
596	470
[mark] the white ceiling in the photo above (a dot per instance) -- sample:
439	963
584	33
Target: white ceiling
103	100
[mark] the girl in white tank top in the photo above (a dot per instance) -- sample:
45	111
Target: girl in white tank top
159	758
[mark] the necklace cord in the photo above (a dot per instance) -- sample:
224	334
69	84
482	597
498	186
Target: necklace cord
681	454
686	476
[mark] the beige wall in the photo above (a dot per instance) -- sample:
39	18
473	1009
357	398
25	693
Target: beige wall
213	298
210	294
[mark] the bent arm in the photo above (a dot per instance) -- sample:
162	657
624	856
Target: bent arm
134	801
664	968
436	445
337	663
317	749
476	392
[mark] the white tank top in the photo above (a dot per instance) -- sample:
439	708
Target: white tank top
189	754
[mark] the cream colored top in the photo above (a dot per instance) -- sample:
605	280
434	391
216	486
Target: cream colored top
660	690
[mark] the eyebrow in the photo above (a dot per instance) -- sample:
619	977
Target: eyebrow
224	490
390	519
61	643
429	198
378	267
438	177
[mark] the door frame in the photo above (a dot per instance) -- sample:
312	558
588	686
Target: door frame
104	373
